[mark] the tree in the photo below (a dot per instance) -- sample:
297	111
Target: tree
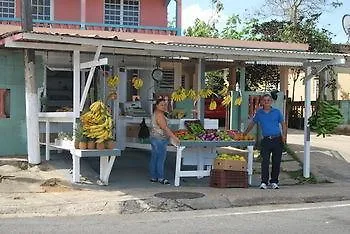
295	10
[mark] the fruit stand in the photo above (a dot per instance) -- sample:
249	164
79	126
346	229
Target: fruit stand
198	147
202	154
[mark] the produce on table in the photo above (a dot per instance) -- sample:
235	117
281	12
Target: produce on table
195	127
224	156
97	123
183	134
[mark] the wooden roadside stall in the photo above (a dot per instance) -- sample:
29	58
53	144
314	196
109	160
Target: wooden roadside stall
134	53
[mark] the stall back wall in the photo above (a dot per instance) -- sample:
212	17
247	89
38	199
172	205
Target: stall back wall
13	137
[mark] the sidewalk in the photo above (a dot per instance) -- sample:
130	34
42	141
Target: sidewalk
131	192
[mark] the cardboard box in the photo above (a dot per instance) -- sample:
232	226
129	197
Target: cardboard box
231	165
132	131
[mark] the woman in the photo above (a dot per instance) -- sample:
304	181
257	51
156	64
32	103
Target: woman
160	134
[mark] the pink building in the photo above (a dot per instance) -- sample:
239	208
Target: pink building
146	16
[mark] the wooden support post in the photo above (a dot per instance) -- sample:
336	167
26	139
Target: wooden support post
31	93
201	85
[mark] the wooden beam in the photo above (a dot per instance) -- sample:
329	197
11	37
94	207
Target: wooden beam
88	82
91	64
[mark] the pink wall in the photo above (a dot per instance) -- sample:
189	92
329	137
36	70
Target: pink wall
94	11
67	10
153	13
18	9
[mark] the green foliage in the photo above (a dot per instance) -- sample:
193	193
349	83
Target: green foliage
215	80
201	29
262	77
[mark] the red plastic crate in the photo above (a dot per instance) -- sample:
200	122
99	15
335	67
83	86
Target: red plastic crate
228	179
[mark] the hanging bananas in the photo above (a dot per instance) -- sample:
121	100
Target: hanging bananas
223	92
238	101
191	94
137	82
325	120
179	95
113	81
212	105
205	93
227	100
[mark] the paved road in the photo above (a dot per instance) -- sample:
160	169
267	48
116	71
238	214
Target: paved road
331	217
332	145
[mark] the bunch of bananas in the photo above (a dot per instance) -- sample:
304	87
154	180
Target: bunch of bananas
223	92
238	101
212	105
191	94
325	119
113	81
137	82
97	122
205	93
227	100
179	95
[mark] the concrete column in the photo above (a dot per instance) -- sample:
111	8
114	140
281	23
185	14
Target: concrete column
82	14
306	161
178	16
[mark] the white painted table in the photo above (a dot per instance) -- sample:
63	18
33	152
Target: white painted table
107	158
202	154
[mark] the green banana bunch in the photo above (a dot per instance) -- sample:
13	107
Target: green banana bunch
325	120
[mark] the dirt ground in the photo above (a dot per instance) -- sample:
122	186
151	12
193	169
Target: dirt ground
16	175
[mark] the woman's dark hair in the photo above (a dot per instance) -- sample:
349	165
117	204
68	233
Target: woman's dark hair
159	100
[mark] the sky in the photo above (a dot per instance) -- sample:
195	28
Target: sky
192	9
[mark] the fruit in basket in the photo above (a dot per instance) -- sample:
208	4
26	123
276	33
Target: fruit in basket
225	156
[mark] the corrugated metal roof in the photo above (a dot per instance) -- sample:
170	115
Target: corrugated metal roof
245	50
6	30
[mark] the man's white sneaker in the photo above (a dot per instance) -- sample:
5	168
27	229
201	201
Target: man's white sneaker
263	186
274	186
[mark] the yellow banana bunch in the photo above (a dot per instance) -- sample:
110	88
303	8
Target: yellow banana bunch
205	93
223	92
227	100
212	105
97	122
113	81
137	82
191	94
179	95
238	101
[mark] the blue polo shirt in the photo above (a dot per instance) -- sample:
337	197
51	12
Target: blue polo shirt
269	121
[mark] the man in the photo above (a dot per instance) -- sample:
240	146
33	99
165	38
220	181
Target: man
270	119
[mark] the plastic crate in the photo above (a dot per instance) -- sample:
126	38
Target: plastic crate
228	179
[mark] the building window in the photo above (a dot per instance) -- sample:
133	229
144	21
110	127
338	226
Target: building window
41	9
7	8
5	103
122	12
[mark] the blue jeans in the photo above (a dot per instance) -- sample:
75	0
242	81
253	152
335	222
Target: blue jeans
158	156
271	146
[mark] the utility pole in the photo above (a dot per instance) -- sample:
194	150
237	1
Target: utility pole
31	93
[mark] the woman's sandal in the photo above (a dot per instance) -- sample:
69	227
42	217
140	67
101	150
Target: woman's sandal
164	181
